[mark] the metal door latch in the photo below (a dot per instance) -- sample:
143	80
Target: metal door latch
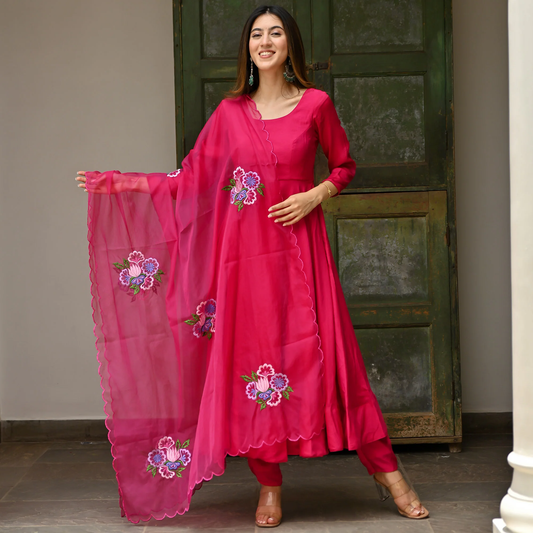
318	66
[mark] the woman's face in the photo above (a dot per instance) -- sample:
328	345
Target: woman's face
268	43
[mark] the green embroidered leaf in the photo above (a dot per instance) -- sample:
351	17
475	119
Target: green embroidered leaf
209	334
154	472
254	376
263	405
178	445
227	188
160	272
195	316
191	322
178	475
126	263
285	394
260	191
136	289
241	205
179	470
247	379
118	265
289	389
149	468
232	181
186	443
157	277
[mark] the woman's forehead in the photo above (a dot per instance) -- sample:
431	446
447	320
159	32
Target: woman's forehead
266	21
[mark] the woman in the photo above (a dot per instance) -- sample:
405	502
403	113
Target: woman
220	321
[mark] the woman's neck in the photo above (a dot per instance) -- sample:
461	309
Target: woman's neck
272	87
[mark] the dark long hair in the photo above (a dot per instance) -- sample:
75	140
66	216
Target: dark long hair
295	47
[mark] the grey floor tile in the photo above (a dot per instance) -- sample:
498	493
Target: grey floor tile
322	467
82	471
131	528
399	526
76	455
467	517
60	513
441	472
63	489
21	454
9	477
103	445
462	492
484	441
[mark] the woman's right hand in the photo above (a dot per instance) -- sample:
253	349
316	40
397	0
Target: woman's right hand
82	179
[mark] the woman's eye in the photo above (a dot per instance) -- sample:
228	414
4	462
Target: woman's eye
275	33
256	35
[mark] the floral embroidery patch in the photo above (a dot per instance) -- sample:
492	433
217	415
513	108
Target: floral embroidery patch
203	321
138	273
244	188
174	174
169	459
267	387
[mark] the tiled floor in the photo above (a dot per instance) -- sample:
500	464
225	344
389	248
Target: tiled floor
71	488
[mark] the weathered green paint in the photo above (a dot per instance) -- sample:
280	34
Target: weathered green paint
390	78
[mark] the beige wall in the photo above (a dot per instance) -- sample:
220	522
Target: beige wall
89	85
83	85
482	173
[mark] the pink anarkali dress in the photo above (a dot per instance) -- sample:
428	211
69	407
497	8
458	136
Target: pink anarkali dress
220	332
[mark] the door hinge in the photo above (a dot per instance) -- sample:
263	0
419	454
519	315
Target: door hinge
318	66
447	235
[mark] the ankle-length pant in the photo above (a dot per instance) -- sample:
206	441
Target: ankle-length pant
376	456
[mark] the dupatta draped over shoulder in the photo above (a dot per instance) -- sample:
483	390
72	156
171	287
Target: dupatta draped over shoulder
206	330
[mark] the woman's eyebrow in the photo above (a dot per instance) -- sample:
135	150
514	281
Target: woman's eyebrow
269	29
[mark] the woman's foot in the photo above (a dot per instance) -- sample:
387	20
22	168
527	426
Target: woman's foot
404	496
268	512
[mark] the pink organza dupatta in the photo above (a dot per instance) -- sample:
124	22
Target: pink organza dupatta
206	335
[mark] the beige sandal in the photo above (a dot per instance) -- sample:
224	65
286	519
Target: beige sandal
408	506
269	506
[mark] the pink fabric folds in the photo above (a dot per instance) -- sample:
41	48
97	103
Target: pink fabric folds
205	327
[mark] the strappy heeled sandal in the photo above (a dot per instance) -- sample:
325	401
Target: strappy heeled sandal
414	509
269	505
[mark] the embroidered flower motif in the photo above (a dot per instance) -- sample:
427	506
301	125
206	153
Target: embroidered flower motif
137	273
267	387
203	321
170	458
243	187
279	382
174	174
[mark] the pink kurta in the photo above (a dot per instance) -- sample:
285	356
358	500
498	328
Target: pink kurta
220	332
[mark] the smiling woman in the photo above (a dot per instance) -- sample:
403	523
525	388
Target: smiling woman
223	267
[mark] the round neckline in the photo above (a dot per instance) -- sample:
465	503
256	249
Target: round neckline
284	116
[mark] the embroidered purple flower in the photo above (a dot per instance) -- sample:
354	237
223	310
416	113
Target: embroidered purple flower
240	196
185	456
150	266
157	457
251	180
267	387
251	390
165	442
165	472
124	277
275	399
279	382
135	257
172	466
203	321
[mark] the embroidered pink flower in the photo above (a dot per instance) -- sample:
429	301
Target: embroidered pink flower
251	390
157	457
251	180
238	174
124	277
207	308
279	382
262	384
173	454
203	321
275	399
135	257
165	472
147	283
174	174
250	197
266	370
150	266
165	442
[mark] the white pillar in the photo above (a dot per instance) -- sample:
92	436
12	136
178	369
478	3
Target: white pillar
517	505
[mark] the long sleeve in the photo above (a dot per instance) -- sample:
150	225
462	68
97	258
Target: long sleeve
334	142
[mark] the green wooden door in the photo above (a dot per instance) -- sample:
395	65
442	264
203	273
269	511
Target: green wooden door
387	66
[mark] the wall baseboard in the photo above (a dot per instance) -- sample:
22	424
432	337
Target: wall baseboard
52	430
95	430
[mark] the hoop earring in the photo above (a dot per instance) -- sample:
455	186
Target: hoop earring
251	78
289	74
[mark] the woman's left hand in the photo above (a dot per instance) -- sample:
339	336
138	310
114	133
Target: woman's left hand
297	206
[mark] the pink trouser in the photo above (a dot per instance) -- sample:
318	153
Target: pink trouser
376	456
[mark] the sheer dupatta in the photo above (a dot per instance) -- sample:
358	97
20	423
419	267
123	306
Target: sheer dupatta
206	333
